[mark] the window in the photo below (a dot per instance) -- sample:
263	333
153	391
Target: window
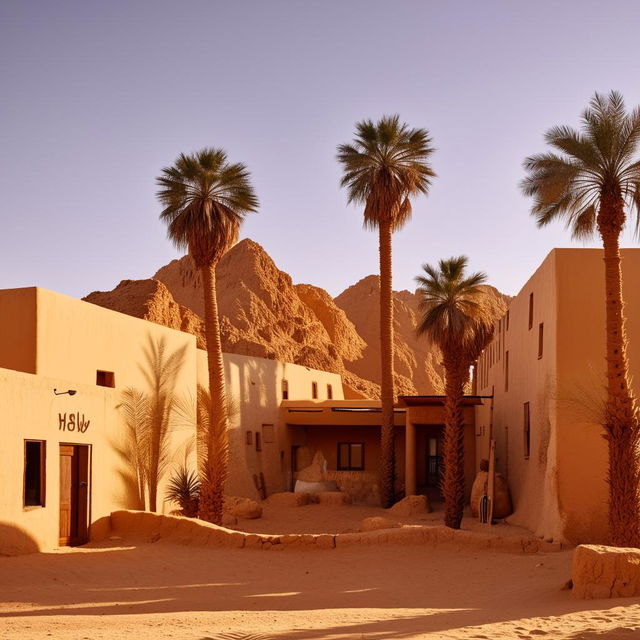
506	371
106	379
329	392
314	390
258	441
540	339
268	432
34	477
530	310
285	389
527	431
351	456
249	437
507	321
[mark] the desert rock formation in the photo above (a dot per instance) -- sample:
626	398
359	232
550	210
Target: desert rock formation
263	314
150	300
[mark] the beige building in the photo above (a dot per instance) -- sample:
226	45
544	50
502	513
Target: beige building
546	371
65	466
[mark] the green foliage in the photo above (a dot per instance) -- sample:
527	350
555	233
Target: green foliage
184	489
386	164
205	199
599	160
455	315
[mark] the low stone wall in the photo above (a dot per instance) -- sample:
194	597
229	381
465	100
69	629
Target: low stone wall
152	527
605	572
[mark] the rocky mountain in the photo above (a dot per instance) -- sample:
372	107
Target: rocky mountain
262	313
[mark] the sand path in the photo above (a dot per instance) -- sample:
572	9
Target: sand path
161	590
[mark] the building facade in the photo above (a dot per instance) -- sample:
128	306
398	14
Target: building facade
546	372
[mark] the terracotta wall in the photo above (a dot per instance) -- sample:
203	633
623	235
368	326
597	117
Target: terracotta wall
533	479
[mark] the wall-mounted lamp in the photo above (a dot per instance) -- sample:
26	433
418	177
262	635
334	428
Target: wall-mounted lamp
71	392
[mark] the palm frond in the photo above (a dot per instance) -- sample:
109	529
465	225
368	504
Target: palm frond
205	199
386	165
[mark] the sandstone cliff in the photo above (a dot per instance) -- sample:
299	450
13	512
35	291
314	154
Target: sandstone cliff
150	300
263	314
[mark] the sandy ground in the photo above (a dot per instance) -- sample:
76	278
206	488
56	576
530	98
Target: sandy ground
315	518
156	591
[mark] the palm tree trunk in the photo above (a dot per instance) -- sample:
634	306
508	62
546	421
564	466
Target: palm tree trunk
217	460
621	416
453	440
387	453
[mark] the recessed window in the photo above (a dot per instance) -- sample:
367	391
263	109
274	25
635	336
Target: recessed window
106	379
34	473
249	437
527	431
540	339
314	390
258	441
506	371
507	321
351	456
530	310
285	389
268	432
329	392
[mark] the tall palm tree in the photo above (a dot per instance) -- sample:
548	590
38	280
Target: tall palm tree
205	200
589	184
385	165
457	319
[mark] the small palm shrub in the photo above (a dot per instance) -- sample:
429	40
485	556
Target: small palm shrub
184	489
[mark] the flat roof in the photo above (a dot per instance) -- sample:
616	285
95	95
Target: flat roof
434	401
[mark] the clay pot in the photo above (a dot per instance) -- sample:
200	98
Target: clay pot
502	499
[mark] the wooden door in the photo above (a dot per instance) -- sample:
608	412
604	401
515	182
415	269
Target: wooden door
74	494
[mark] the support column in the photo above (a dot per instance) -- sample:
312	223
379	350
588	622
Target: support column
410	487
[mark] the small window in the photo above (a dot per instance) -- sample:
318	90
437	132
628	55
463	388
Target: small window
314	390
34	476
285	389
506	371
530	310
540	339
258	441
527	431
329	392
106	379
507	321
249	437
268	432
351	456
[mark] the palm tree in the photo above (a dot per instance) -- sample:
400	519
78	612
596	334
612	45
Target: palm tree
460	323
205	200
151	415
588	185
386	164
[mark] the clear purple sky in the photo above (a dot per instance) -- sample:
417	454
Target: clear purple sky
98	96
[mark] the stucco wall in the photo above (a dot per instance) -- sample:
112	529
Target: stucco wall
30	410
581	368
533	480
255	388
560	492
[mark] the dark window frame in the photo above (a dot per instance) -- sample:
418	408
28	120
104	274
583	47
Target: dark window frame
42	473
342	466
540	340
105	378
329	391
314	390
285	389
527	431
258	440
531	310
